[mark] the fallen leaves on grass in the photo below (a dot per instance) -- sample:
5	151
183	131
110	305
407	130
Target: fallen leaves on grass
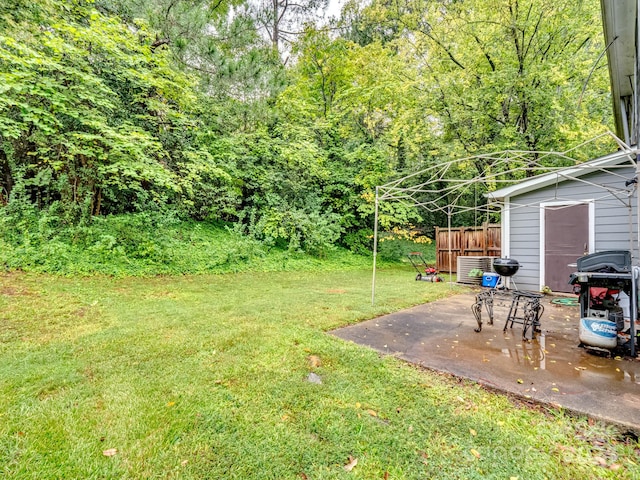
564	448
351	464
314	361
475	453
110	452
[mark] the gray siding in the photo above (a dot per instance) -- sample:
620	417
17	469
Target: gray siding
611	228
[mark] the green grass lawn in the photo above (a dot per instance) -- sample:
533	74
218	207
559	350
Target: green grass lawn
205	377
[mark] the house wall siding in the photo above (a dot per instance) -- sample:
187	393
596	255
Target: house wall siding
611	220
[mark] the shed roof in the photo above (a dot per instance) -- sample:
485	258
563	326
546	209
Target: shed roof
539	181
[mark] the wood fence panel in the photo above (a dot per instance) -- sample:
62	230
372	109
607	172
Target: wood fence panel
483	241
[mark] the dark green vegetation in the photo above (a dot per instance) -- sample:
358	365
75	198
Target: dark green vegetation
205	377
149	244
143	245
255	115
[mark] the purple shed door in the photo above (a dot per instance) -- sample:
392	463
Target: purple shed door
566	238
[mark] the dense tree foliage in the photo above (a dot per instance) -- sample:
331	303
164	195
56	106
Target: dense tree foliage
187	106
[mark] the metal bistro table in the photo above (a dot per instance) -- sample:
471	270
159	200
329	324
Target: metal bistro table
525	308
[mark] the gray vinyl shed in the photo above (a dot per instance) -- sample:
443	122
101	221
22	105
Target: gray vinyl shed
550	220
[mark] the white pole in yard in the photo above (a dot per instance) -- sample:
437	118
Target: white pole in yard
635	125
635	132
633	312
450	252
375	251
637	256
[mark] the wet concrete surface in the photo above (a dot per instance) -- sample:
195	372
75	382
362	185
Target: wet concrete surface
551	368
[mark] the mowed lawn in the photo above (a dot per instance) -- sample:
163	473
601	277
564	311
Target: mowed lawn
207	377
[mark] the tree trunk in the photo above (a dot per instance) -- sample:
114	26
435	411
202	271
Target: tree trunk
6	180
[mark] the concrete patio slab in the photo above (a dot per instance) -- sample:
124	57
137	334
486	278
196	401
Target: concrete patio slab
551	369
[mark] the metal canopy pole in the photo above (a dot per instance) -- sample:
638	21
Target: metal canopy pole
635	130
449	241
634	269
637	256
633	312
375	250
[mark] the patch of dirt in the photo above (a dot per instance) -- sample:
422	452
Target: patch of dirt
48	392
165	294
11	291
336	290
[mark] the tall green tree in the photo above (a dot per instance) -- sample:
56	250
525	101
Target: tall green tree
92	119
218	41
349	100
510	74
284	21
427	82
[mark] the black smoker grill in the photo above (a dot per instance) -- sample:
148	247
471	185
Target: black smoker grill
600	277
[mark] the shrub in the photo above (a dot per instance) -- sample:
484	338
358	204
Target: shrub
310	232
151	244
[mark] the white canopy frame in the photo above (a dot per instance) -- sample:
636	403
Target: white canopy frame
506	168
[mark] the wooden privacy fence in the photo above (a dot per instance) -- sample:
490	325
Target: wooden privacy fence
483	241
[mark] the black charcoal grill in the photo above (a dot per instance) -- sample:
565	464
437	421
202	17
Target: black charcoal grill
506	267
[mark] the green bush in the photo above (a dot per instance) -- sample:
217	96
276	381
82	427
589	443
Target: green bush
359	242
311	232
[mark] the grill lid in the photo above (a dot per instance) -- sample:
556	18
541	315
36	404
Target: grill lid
506	266
609	261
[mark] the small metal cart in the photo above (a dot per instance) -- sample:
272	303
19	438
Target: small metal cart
525	307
